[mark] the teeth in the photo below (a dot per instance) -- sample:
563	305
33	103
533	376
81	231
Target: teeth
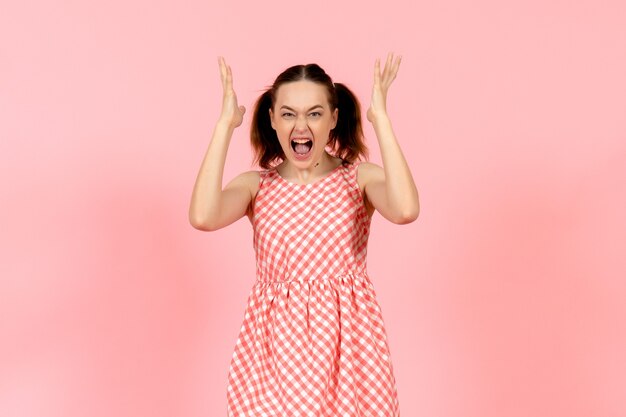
301	140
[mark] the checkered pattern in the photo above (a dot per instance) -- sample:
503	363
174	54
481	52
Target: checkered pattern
313	341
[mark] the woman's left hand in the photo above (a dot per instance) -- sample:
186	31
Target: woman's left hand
378	107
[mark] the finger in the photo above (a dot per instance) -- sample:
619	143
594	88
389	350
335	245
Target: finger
220	61
388	64
396	66
391	75
226	82
387	70
229	77
377	71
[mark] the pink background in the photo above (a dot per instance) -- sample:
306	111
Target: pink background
505	298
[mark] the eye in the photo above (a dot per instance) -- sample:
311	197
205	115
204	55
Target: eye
286	114
316	114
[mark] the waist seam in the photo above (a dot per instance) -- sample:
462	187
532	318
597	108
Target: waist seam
348	275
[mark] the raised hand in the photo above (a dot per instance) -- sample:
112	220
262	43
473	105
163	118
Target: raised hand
378	106
232	114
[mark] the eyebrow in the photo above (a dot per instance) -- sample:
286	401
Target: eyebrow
314	107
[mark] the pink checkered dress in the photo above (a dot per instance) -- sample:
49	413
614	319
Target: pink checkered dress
313	340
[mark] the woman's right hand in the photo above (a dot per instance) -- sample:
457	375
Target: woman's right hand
232	114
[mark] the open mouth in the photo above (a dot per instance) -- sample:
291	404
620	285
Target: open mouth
301	146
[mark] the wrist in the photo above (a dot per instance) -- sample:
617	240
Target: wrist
223	123
380	119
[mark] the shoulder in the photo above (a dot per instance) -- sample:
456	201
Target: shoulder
251	179
248	177
248	180
368	172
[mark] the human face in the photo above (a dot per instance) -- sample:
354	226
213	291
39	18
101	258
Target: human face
302	112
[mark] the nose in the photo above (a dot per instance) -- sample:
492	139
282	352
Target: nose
301	124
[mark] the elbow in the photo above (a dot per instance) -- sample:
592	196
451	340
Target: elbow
408	216
200	224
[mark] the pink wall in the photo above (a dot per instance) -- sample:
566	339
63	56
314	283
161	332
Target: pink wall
506	296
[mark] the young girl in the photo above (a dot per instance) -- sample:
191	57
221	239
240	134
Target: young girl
313	341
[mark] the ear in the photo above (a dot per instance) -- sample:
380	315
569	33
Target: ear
335	117
272	118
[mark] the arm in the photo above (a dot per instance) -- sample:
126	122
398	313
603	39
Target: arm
212	208
391	189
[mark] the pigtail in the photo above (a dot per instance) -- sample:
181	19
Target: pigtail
263	138
347	139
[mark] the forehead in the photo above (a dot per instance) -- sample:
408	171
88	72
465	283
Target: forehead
301	94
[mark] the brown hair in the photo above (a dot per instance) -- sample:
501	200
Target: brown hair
346	139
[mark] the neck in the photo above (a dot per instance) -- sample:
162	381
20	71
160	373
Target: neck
324	164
